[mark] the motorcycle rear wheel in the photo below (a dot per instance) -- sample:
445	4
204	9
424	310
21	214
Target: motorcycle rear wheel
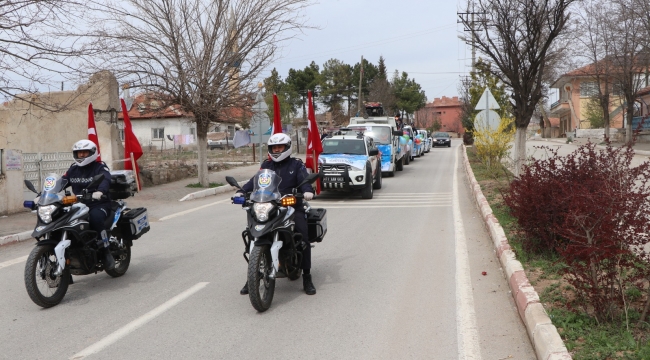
260	285
121	263
43	287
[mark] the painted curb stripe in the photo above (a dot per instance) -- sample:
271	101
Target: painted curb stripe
547	346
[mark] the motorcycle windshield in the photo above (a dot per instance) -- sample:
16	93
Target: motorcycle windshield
53	184
265	186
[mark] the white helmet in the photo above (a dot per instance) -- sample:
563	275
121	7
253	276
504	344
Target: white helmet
85	145
280	139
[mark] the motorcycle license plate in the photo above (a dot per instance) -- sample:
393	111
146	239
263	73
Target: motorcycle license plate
334	179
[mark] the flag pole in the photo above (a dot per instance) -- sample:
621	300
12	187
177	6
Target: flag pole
137	181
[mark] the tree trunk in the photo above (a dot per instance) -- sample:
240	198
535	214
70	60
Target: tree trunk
629	115
202	143
604	104
519	156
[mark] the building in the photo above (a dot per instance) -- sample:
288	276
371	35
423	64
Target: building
577	88
35	142
446	111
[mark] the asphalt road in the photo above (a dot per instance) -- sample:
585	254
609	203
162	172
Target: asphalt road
398	277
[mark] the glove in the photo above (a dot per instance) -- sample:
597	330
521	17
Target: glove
36	199
308	195
97	195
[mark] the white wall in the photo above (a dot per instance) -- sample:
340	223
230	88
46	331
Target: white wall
176	126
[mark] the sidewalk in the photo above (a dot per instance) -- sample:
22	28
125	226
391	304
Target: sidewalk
148	197
640	148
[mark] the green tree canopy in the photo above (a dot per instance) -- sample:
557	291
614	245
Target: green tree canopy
409	94
300	81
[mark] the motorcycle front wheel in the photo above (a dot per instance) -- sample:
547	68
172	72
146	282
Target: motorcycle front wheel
122	260
260	285
44	288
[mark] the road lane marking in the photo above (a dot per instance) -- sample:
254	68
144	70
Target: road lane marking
386	206
137	323
466	328
13	262
191	210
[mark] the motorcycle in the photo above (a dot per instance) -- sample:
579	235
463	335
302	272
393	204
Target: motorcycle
272	248
67	246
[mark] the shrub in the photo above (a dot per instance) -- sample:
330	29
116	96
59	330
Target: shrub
492	146
468	138
592	208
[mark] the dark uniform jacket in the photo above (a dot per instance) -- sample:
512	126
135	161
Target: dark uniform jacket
80	176
292	171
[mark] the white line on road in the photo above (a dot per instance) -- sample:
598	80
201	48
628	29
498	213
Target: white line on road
466	329
137	323
12	262
191	210
386	206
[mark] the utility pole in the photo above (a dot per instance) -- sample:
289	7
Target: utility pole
360	79
468	20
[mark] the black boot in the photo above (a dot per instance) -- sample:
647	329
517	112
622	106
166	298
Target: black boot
244	290
308	285
109	262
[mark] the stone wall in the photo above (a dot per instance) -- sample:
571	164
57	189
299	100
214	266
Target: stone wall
165	171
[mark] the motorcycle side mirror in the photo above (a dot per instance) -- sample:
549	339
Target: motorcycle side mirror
30	186
309	179
97	179
232	182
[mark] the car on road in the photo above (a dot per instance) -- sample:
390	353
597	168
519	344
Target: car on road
350	162
220	144
441	139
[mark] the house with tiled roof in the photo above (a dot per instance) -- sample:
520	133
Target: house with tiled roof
161	127
445	110
576	89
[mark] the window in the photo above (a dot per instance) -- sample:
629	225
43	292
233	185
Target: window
157	133
122	134
193	131
588	88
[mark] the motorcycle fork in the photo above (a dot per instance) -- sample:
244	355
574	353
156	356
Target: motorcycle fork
275	249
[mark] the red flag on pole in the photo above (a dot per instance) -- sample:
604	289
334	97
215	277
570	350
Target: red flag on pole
92	130
132	148
277	120
314	145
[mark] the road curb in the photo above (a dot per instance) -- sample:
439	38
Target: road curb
8	239
542	333
210	192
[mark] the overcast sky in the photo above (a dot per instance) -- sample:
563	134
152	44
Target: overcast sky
419	37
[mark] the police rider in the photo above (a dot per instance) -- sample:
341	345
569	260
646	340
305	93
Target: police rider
79	175
292	171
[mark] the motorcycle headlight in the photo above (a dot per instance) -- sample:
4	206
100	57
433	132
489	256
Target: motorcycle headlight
45	213
261	211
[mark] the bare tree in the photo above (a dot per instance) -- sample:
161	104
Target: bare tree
517	37
629	57
595	38
40	43
205	56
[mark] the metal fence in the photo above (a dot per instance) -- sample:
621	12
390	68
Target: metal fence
37	165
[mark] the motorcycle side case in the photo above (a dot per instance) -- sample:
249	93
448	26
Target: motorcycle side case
134	223
122	184
317	224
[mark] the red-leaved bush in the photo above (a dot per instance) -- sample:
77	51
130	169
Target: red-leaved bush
592	207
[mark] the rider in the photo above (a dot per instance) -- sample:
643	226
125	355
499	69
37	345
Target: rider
79	175
292	171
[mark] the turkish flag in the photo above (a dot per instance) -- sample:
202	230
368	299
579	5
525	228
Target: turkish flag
92	130
131	145
277	120
314	144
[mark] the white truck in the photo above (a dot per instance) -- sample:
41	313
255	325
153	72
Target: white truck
383	130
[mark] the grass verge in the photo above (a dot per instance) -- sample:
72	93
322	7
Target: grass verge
583	336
